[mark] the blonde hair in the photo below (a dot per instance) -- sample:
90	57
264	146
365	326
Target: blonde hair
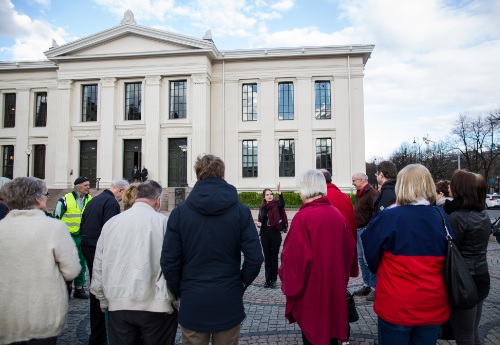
128	197
415	182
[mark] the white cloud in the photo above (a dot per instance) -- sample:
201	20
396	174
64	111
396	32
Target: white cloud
283	5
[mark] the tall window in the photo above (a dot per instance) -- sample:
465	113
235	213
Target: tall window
249	102
9	119
89	103
41	109
324	154
250	158
323	107
133	101
178	99
285	101
287	157
8	161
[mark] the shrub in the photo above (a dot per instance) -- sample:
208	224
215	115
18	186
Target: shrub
254	199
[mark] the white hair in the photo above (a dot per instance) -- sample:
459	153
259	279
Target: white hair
311	183
119	183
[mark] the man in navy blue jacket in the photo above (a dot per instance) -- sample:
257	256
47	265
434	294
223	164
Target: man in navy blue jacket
97	212
201	257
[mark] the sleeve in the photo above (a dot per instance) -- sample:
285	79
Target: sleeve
65	253
296	260
96	285
110	211
375	239
259	218
456	228
386	199
281	201
3	211
60	208
251	248
171	255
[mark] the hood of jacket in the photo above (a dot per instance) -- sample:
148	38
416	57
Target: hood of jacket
212	196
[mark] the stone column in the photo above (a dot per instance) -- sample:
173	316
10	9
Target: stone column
151	143
60	136
106	146
268	148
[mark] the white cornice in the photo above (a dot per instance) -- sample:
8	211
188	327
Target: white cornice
24	65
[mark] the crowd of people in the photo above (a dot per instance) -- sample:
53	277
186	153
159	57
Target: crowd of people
150	273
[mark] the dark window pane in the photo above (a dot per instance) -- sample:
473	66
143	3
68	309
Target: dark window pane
89	103
250	158
249	102
133	101
8	161
41	109
324	154
9	119
322	108
178	99
287	157
285	101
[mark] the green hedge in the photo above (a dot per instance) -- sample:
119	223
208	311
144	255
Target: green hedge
292	199
254	199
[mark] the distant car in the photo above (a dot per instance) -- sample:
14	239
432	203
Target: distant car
492	200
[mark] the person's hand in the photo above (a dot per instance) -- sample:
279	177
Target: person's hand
259	224
103	310
279	189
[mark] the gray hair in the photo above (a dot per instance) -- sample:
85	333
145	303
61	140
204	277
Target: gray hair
149	189
21	193
361	176
119	183
311	183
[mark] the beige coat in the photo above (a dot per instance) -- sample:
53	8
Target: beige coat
37	255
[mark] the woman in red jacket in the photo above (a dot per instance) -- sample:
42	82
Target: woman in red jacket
316	261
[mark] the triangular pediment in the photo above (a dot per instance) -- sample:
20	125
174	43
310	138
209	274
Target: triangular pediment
130	39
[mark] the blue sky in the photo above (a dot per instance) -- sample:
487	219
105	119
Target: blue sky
433	59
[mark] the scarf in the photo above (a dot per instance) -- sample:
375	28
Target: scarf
275	215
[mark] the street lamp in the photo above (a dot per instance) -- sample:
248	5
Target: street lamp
28	152
183	168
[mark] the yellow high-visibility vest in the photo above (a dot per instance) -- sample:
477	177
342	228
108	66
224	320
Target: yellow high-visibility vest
73	216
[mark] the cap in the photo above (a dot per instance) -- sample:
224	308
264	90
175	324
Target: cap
81	180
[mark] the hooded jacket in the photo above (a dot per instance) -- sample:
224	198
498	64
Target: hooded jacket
202	254
387	196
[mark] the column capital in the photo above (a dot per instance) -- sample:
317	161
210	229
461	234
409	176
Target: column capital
153	80
201	78
108	82
64	84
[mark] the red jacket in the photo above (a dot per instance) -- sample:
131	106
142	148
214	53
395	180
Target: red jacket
316	260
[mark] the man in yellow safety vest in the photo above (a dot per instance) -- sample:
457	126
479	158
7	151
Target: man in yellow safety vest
69	209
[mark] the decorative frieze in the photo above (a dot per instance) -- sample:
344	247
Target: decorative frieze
202	78
176	130
139	132
64	84
108	82
153	80
85	133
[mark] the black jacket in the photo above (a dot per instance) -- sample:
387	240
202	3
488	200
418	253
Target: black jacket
98	211
387	196
202	253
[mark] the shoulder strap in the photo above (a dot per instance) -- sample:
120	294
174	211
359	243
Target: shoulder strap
448	236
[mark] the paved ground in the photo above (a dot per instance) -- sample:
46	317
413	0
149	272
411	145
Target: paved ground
265	323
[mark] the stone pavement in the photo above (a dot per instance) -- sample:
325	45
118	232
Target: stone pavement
265	323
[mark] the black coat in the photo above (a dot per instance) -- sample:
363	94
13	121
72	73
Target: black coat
202	254
387	196
98	211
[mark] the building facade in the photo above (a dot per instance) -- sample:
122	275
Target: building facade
136	96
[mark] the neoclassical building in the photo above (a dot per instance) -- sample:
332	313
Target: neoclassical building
134	95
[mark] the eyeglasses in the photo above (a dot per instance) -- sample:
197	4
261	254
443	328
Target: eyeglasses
356	180
46	193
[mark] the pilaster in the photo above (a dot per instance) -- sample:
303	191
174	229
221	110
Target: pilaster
106	143
151	145
22	132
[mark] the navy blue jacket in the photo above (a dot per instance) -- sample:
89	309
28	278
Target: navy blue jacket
202	254
98	211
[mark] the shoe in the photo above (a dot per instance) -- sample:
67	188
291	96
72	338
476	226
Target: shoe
273	285
362	291
80	293
267	285
346	343
371	296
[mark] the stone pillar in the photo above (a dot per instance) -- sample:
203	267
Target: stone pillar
22	133
60	131
151	144
106	146
199	102
268	148
305	149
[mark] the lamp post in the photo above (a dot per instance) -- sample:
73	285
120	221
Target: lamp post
28	152
182	168
498	183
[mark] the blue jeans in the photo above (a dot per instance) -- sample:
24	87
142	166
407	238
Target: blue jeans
392	334
369	279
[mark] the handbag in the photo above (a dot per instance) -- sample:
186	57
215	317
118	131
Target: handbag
352	313
460	286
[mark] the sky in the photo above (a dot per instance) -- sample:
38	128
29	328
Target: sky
433	59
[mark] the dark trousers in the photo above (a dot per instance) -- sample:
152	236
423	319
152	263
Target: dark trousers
271	242
126	327
97	319
44	341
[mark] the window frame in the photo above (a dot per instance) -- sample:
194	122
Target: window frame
290	92
322	157
9	115
136	115
250	171
286	165
320	114
247	116
174	106
40	119
86	117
